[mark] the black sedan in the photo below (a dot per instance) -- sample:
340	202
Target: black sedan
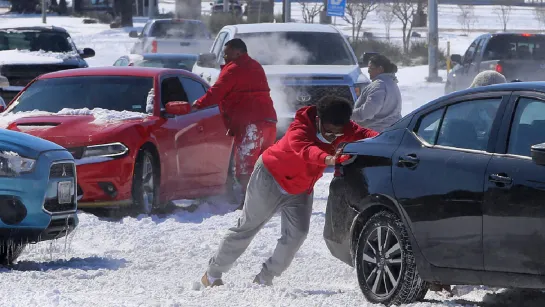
453	193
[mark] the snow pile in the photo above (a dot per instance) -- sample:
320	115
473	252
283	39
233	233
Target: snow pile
149	101
33	57
103	116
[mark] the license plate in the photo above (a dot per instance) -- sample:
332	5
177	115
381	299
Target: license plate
63	192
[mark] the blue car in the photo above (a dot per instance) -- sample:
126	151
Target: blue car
38	201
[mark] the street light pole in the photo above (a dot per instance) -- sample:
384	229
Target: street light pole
433	41
44	11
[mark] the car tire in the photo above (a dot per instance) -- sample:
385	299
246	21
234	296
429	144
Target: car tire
145	184
387	274
10	251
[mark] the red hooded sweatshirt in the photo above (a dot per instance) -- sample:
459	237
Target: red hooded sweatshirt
242	93
297	160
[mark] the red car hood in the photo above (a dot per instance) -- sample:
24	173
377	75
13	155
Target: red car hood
70	130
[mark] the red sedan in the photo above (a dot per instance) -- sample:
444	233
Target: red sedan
132	133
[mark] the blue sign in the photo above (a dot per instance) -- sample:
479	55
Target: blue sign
336	8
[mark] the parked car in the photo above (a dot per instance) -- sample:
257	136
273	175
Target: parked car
133	135
37	192
515	55
299	75
172	36
452	193
161	60
235	7
23	55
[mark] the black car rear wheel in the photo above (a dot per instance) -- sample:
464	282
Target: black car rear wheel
385	263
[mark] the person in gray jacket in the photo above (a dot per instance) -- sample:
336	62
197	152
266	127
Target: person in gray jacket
379	105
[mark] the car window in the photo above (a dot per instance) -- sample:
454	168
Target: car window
172	90
194	89
468	124
527	127
468	56
429	126
219	43
119	93
121	62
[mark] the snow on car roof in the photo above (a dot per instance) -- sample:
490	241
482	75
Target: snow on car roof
284	27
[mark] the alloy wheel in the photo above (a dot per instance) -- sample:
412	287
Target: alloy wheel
382	261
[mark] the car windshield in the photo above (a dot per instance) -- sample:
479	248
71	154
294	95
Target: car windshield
179	29
186	63
521	46
35	40
298	48
118	93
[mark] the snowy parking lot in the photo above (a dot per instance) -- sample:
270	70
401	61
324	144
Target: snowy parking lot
159	260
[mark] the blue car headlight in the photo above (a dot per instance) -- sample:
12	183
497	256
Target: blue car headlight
12	164
111	150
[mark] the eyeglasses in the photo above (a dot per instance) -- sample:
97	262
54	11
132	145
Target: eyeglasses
333	134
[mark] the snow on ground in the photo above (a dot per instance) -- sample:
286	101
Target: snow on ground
159	260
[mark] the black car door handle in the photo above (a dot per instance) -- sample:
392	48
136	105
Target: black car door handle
409	160
500	178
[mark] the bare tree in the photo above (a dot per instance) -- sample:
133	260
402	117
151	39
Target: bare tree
386	15
310	11
466	17
405	11
539	12
356	12
504	12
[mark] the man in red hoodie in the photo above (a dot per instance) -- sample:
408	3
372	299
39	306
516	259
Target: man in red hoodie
283	180
243	95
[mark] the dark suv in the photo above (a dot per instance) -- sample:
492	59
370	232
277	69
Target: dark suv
45	49
453	193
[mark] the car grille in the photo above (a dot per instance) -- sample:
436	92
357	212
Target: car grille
21	75
61	170
52	205
301	96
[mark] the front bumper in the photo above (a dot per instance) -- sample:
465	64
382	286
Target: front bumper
105	182
29	202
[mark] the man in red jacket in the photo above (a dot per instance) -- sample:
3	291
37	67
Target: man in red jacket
243	95
283	180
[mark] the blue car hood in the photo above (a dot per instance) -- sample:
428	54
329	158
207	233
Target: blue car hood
24	144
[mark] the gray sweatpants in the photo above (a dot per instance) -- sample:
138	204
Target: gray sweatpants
264	198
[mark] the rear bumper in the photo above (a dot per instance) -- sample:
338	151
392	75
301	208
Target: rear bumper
338	223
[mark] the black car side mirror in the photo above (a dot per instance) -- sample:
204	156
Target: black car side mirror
133	34
87	53
456	58
538	153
